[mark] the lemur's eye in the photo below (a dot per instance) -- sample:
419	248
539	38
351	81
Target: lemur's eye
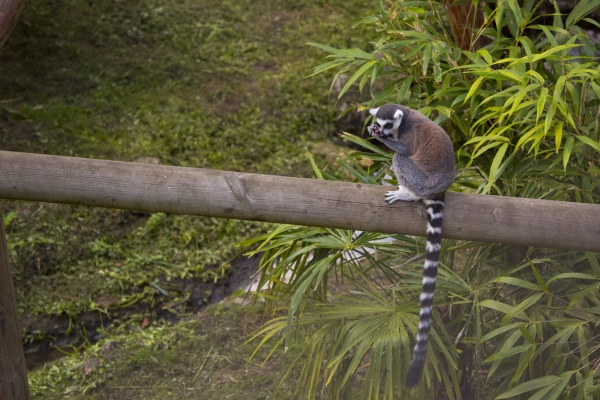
388	125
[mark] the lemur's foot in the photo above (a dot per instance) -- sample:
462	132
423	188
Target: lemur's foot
402	193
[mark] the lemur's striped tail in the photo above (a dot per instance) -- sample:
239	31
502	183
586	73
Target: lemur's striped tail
434	208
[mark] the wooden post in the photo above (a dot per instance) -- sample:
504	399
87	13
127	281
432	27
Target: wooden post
13	374
10	11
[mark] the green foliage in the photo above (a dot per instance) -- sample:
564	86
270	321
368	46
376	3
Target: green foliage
511	104
511	322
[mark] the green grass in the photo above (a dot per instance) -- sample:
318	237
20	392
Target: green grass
217	85
200	358
213	84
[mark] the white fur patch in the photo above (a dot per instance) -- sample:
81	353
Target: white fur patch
398	114
425	311
430	264
432	247
426	296
403	193
434	215
428	280
431	229
382	122
373	111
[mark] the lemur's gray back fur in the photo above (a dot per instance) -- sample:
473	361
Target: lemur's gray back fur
424	167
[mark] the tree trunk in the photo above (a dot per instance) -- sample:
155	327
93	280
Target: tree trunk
10	11
466	20
13	374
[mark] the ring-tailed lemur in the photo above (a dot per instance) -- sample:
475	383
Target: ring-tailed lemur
424	166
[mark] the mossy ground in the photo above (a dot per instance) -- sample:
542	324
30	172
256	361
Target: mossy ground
202	357
213	84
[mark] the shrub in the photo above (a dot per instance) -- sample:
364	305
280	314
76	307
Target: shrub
520	99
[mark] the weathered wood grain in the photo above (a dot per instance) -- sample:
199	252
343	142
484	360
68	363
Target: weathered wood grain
312	202
13	374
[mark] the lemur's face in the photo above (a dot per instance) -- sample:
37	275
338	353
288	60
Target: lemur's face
387	121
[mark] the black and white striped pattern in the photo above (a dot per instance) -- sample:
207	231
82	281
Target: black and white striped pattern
434	208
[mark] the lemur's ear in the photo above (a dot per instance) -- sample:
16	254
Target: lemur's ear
398	114
373	111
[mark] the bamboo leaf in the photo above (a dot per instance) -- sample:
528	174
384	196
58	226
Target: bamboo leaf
427	51
355	76
499	331
485	55
508	352
571	275
593	262
362	142
548	53
517	282
549	119
508	343
474	88
316	169
583	8
589	142
495	164
328	65
489	138
403	89
558	390
558	135
541	394
512	20
527	136
521	307
537	76
529	386
328	49
558	89
583	292
516	10
541	102
526	335
567	151
503	308
543	285
499	17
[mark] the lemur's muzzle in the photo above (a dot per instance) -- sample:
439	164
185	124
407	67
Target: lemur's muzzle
374	129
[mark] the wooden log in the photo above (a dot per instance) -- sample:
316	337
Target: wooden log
10	11
287	200
13	373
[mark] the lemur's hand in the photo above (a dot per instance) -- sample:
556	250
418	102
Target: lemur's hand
374	130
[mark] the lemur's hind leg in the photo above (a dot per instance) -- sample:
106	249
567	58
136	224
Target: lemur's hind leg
403	193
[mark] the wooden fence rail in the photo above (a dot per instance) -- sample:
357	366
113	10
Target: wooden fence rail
194	191
154	188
